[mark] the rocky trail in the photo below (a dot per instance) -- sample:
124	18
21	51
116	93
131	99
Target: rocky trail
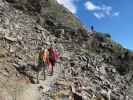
32	92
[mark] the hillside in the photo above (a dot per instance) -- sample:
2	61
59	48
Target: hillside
92	61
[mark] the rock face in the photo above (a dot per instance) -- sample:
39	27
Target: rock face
94	66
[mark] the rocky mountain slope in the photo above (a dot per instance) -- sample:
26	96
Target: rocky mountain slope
92	64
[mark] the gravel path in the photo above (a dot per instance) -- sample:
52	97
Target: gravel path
32	92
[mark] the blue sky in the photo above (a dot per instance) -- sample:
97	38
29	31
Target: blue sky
109	16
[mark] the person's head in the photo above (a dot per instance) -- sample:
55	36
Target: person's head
42	48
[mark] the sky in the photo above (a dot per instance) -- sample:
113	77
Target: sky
108	16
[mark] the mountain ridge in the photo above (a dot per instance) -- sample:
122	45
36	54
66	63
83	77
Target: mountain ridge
88	57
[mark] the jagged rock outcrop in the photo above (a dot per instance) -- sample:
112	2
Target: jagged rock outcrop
94	66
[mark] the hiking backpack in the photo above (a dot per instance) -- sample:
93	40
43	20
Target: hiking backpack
53	54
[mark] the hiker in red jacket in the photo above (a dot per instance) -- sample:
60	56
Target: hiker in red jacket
53	57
